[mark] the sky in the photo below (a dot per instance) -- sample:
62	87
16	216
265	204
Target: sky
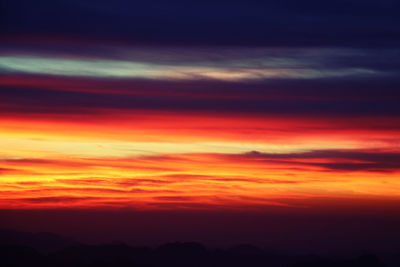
278	108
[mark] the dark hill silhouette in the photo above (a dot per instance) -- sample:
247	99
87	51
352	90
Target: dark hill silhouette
14	255
43	242
176	254
246	249
363	261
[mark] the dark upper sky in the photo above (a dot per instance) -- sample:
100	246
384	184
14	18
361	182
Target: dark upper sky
368	23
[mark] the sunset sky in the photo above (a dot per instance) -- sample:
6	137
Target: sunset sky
236	106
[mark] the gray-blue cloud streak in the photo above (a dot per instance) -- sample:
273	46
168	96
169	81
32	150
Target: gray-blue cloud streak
331	82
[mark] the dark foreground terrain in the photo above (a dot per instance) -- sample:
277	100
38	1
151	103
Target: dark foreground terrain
45	249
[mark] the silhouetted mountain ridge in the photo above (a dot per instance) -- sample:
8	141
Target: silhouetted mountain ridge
43	241
175	254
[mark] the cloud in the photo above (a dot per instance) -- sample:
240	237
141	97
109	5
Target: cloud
176	198
274	81
245	69
20	100
57	199
340	160
84	181
154	105
9	170
223	179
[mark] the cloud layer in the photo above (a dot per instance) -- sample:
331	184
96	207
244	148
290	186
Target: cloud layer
228	105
